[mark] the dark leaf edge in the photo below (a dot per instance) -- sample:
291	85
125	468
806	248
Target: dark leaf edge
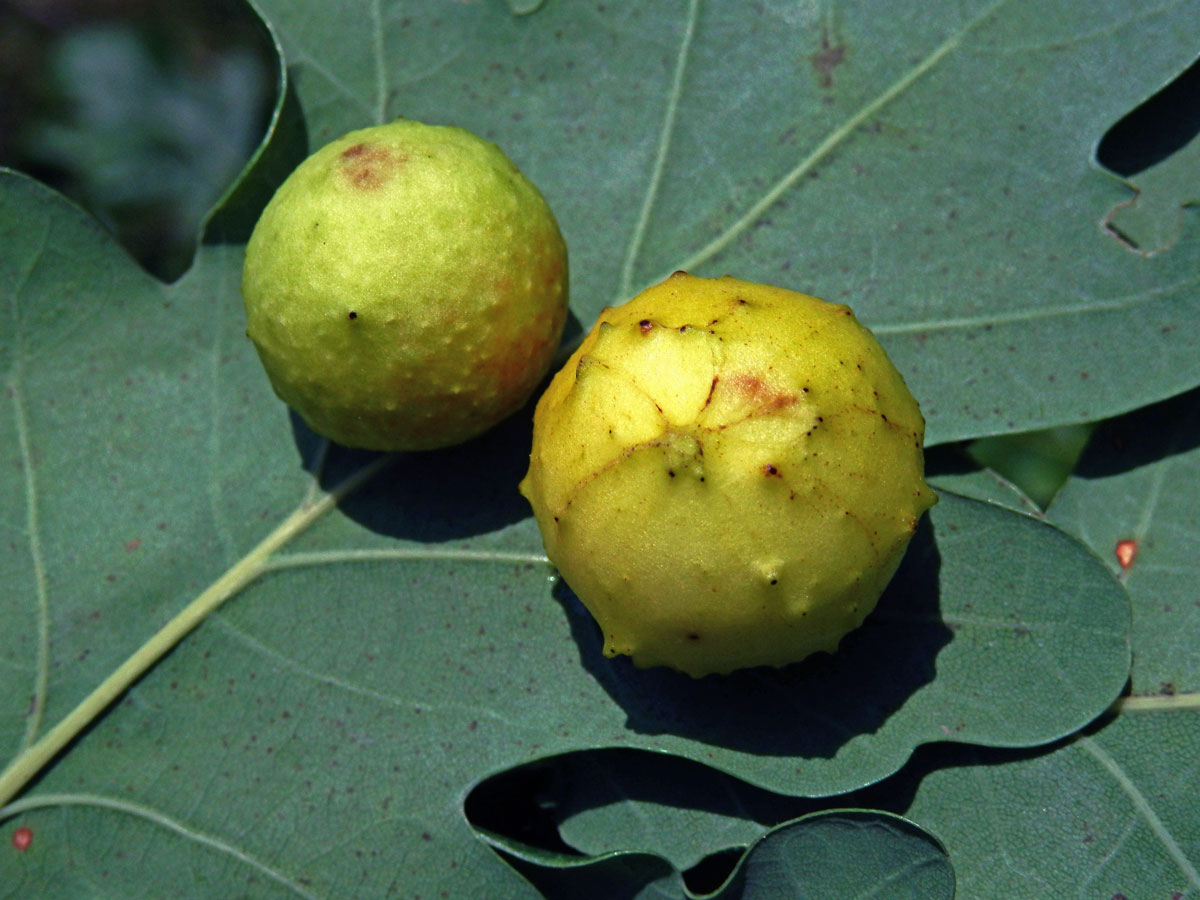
527	859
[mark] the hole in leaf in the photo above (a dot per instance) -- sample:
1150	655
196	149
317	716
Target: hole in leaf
714	870
1156	129
520	804
143	113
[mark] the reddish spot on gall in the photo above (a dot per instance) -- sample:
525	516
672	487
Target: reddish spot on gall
1126	553
770	470
367	166
760	393
22	838
645	325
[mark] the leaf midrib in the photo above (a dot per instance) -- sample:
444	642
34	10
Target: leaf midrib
831	141
35	756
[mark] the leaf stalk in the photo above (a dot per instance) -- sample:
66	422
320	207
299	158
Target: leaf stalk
26	766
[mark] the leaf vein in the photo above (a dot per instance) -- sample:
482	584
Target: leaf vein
1143	807
1158	702
213	489
380	69
327	557
34	758
162	820
317	468
664	146
305	58
1027	315
333	681
1108	30
32	523
834	139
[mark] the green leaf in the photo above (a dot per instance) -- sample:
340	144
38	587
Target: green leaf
984	484
932	164
1113	812
1109	814
1039	461
385	650
845	854
835	854
1152	221
613	876
1139	481
610	801
1021	472
389	648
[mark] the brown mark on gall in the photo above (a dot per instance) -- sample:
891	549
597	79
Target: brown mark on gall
645	325
761	394
771	470
366	167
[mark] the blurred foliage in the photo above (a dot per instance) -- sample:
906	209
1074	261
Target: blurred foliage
1037	462
142	112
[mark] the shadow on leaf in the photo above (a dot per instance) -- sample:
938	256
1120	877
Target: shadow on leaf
1147	435
436	495
808	709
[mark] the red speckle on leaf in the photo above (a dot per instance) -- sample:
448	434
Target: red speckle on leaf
130	546
1126	553
22	838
